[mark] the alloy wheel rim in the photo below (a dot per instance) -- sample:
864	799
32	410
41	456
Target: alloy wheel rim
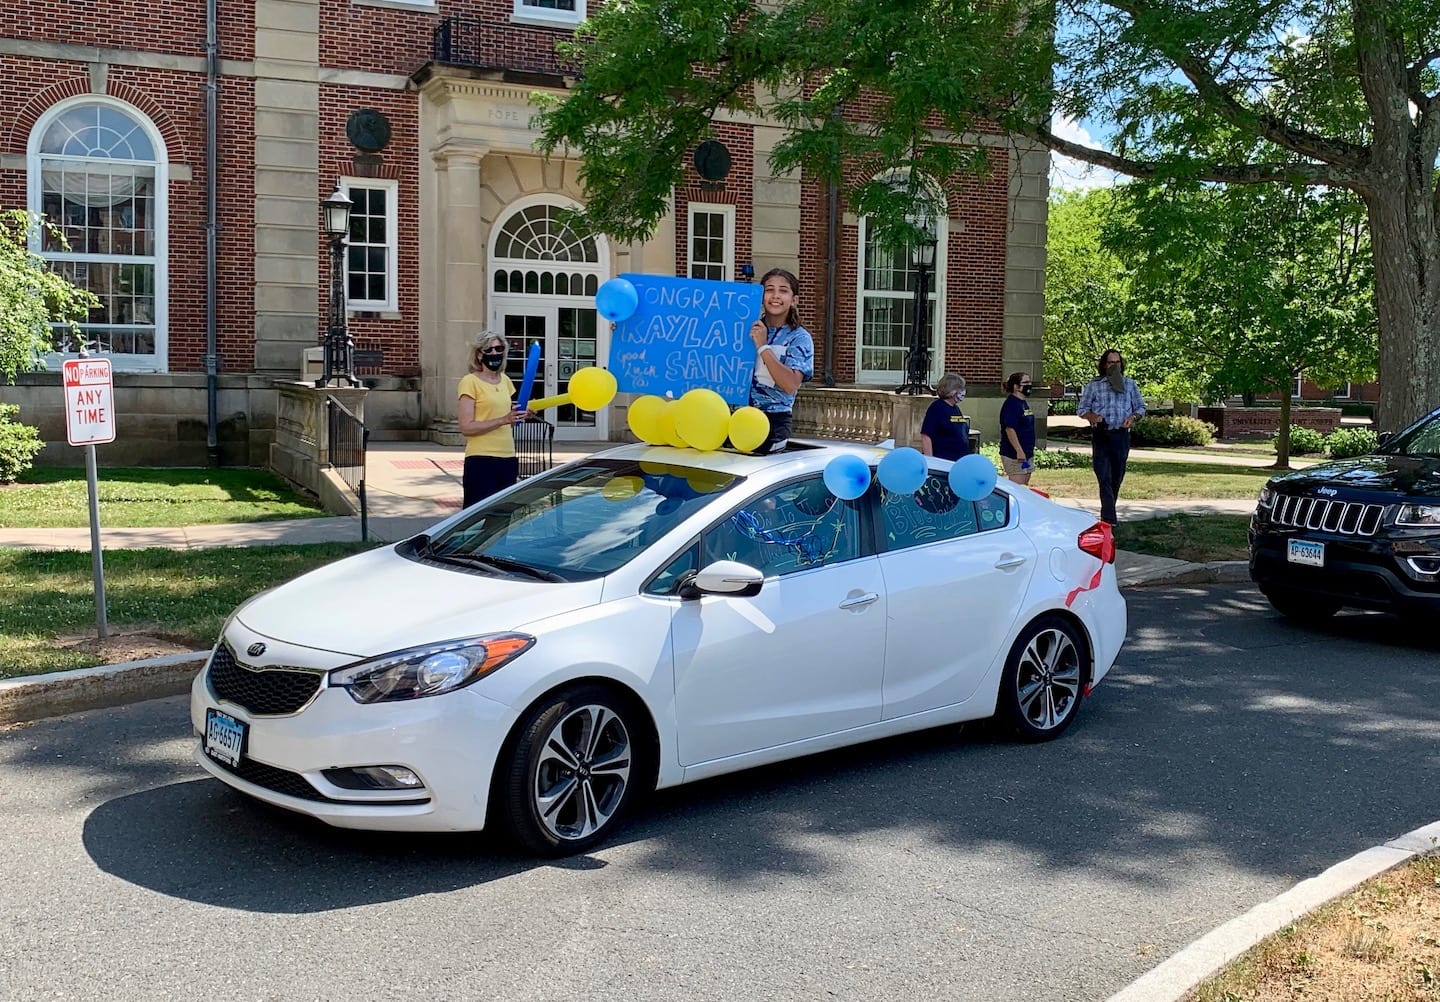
1047	680
583	772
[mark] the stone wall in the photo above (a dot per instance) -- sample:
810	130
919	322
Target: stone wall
1263	422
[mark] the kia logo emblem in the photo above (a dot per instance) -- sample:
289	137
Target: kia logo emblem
255	650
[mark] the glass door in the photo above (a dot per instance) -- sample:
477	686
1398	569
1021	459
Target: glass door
567	337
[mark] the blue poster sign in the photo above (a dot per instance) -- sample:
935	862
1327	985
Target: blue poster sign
687	333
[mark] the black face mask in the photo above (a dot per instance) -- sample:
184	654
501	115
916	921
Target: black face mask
492	361
1026	389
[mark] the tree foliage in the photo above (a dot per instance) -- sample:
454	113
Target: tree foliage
32	297
1338	95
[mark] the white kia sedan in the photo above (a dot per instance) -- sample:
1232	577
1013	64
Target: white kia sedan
646	617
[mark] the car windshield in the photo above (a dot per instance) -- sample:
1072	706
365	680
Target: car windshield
576	522
1420	439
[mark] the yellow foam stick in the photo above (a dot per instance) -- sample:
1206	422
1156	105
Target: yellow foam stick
591	389
546	402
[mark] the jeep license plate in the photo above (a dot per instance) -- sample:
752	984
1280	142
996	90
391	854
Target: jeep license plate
1302	551
224	737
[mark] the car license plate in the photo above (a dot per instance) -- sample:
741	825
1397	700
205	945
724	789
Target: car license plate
1302	551
224	737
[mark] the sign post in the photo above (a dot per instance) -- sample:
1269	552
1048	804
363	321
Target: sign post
90	421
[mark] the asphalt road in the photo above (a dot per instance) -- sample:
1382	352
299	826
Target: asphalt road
1229	755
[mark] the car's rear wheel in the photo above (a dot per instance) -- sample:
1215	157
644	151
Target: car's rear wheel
1300	607
574	769
1041	687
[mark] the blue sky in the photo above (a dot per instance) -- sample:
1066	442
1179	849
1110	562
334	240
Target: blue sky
1074	175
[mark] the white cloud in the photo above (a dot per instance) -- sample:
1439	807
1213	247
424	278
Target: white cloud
1076	175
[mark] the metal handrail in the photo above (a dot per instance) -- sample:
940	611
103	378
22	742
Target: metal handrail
346	445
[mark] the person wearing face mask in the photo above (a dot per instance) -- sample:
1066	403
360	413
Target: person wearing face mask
1111	403
945	431
1017	428
485	415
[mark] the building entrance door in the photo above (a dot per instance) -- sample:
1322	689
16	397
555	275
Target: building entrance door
568	340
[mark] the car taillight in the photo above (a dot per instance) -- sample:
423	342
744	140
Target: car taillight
1099	541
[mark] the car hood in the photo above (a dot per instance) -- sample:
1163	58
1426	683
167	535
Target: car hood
1408	476
378	602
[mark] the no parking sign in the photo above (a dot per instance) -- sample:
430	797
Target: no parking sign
89	401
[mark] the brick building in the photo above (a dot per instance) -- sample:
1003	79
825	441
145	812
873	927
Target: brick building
213	284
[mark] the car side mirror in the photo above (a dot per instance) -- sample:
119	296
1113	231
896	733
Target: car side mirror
1383	437
723	577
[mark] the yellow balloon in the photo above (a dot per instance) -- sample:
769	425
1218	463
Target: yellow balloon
592	388
665	424
642	417
702	418
705	481
748	428
621	488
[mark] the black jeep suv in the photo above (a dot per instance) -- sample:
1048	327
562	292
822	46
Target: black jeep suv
1362	532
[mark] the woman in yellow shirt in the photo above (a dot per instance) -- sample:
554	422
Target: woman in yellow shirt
485	414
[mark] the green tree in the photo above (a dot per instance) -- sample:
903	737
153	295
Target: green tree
1087	290
32	297
1241	289
1188	88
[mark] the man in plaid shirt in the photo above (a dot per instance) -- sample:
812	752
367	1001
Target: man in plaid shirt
1111	403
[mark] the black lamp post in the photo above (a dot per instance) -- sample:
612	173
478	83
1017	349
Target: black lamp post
339	349
917	360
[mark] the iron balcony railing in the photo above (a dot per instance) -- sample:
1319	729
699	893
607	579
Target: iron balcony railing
497	45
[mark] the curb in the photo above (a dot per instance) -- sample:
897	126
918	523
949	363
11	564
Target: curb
34	697
1182	972
1213	572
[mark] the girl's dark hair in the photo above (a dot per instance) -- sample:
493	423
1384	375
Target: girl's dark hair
1013	380
1100	365
793	318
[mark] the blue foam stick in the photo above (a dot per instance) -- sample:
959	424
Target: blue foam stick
532	363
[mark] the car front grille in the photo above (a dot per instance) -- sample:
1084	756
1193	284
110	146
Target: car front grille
1347	518
261	691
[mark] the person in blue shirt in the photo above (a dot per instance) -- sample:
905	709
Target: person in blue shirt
1017	428
785	356
945	431
1111	403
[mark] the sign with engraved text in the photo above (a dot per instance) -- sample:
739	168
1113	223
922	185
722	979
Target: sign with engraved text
687	333
89	401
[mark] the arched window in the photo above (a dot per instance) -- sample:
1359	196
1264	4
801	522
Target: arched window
97	172
887	284
537	233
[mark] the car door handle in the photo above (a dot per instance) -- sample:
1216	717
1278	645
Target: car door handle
859	602
1008	561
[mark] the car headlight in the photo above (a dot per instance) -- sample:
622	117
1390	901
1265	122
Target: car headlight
430	670
1267	497
1419	516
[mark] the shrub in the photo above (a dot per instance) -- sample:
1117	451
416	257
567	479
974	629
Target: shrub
1172	431
1063	406
19	444
1045	459
1346	442
1303	441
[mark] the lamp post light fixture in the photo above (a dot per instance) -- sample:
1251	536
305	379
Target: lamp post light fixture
917	359
339	348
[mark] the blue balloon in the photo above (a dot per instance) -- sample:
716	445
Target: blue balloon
903	471
972	477
847	477
617	300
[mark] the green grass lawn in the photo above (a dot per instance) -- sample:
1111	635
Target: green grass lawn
181	594
1147	479
1199	538
47	497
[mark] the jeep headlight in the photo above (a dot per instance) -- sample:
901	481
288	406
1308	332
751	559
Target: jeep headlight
429	670
1267	497
1418	516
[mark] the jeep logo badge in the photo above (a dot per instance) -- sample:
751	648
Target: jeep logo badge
255	650
1329	492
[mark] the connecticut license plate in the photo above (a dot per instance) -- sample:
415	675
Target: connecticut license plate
224	737
1302	551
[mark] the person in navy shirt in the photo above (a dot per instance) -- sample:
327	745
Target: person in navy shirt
785	356
1017	429
945	431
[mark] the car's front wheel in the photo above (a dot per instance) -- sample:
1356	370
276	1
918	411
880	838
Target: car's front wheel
575	767
1300	607
1041	687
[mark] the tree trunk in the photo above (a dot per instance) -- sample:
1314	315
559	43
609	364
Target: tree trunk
1282	437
